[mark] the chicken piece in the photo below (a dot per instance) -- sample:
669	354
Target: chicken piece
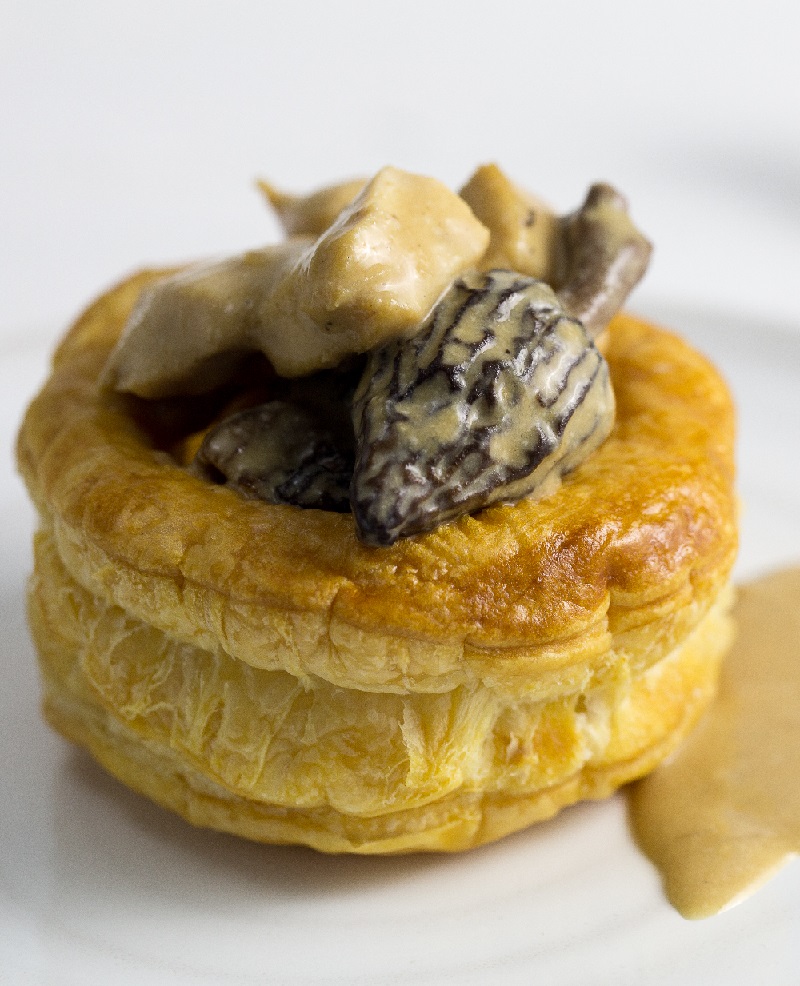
372	277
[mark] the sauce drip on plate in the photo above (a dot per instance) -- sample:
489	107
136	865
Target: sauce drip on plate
723	813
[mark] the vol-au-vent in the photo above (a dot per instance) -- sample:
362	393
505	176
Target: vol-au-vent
396	535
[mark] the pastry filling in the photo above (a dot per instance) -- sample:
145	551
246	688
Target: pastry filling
427	353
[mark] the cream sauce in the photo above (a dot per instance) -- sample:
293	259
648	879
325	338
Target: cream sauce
307	304
723	814
311	215
526	235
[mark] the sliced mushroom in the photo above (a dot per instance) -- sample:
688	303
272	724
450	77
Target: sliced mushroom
606	256
372	277
280	453
496	398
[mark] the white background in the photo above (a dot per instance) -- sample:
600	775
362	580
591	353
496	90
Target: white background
131	133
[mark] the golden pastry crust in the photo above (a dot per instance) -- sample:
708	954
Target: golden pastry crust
434	694
260	754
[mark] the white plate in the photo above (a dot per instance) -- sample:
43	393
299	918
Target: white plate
97	885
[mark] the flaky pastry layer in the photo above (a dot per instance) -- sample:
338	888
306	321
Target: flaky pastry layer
260	754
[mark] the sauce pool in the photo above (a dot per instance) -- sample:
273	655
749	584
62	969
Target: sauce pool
723	814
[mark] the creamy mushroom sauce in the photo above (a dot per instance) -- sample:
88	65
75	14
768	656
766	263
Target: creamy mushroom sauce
723	813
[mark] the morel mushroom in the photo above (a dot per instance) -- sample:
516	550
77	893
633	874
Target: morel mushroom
592	257
498	396
281	453
606	256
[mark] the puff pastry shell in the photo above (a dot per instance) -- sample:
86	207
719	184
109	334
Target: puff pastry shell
258	670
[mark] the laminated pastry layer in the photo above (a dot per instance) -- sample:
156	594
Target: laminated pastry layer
264	754
628	555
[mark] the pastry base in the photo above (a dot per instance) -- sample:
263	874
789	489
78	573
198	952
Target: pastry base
207	737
